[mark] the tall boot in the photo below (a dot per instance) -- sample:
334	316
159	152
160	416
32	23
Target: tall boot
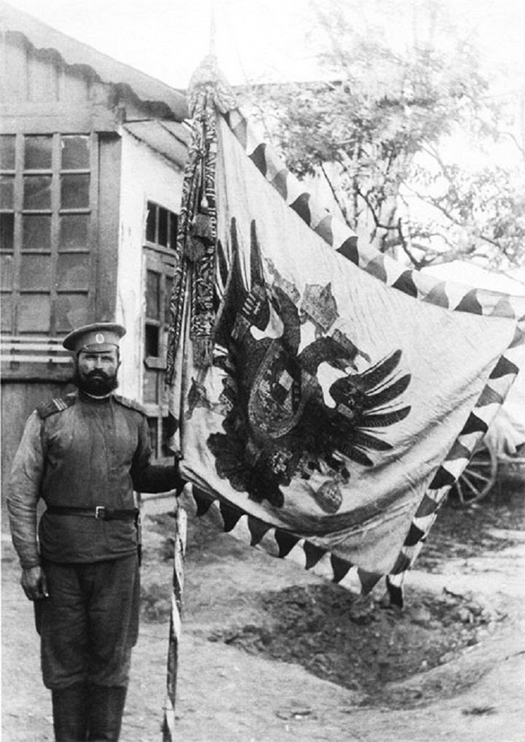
106	706
70	713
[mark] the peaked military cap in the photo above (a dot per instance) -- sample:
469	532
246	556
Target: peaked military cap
98	337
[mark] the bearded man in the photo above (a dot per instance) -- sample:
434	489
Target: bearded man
85	455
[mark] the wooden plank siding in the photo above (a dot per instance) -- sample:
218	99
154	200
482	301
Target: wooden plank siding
60	250
40	93
17	401
87	60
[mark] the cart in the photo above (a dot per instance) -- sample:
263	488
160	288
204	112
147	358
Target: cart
502	450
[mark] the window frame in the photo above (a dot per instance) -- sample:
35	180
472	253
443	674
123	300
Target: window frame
159	259
54	291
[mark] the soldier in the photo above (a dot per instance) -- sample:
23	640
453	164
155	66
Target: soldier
85	455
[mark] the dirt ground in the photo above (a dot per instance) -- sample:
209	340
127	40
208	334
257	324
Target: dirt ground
271	652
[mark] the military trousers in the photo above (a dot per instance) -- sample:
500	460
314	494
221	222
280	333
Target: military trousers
89	624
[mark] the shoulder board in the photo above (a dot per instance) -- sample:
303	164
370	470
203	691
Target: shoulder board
129	403
55	405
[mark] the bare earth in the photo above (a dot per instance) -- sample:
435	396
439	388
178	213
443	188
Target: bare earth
271	652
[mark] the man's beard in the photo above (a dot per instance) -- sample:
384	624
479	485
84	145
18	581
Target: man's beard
96	383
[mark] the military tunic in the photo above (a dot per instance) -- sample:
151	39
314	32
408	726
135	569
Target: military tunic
84	452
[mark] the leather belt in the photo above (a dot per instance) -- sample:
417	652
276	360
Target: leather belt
100	512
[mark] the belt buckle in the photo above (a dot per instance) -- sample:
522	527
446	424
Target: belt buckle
100	512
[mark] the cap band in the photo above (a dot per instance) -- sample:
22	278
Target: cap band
96	337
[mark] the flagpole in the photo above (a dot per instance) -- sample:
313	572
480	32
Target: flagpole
175	630
168	724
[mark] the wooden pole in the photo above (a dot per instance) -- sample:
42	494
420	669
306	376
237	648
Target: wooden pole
168	724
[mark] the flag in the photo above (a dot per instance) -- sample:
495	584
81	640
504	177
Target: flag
325	397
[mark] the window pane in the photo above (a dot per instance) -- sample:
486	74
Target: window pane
166	437
150	395
173	230
7	231
36	232
38	153
71	311
34	313
153	295
6	304
163	227
7	183
163	392
74	191
37	192
153	434
167	300
75	152
151	223
74	232
35	272
73	272
7	152
6	272
152	341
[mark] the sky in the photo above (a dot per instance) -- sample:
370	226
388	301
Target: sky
255	40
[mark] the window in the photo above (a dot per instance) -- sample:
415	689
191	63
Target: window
45	214
159	247
161	227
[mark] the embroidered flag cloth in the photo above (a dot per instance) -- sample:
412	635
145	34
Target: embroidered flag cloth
326	396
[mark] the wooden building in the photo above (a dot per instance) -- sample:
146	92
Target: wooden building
91	166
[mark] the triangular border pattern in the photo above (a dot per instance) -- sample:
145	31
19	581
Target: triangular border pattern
336	234
448	295
420	287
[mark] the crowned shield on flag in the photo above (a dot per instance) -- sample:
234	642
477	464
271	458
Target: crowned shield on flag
324	397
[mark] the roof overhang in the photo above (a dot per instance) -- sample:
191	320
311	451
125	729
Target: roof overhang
168	138
73	52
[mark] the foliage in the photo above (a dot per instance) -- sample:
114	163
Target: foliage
373	130
479	214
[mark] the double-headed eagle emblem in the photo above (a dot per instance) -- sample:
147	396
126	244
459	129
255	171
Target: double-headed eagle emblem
292	407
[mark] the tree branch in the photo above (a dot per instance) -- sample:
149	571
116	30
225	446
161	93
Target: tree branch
338	201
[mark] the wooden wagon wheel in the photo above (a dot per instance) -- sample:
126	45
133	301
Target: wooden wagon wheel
478	476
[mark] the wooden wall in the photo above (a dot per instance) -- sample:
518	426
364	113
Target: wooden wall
17	402
40	94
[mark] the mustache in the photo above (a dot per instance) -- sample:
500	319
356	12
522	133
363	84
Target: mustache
95	382
98	375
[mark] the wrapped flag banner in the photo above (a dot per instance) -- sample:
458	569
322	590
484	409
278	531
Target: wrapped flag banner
325	396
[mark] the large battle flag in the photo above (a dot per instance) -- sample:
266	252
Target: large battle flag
325	396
